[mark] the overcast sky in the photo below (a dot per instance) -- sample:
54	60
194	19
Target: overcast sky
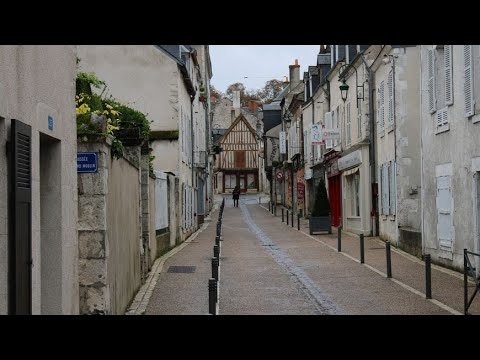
260	63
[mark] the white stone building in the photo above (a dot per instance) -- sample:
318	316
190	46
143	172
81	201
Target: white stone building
450	128
397	143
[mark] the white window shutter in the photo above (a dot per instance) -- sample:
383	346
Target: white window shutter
393	177
468	85
379	190
386	188
390	97
431	81
335	124
382	105
442	117
349	137
448	74
328	125
444	212
359	122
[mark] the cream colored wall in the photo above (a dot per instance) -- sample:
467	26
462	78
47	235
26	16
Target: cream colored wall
37	81
123	249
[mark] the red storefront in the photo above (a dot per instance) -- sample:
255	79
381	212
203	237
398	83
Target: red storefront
334	187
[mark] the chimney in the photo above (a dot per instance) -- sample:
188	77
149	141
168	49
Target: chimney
294	75
252	105
236	102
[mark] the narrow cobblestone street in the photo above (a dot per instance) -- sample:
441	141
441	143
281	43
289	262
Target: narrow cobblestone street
269	268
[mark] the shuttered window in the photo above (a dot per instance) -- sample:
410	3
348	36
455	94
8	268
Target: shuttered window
448	74
328	125
390	97
431	81
382	105
359	122
380	188
386	188
349	135
442	117
335	124
468	85
393	189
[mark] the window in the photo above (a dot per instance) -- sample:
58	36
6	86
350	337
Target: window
390	99
335	123
251	181
380	107
385	189
232	114
230	181
353	194
448	74
328	125
468	84
359	121
431	80
349	135
393	189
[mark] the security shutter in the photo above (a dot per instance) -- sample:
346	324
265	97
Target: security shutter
468	85
20	240
448	74
431	81
444	212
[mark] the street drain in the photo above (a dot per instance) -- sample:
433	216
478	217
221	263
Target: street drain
181	269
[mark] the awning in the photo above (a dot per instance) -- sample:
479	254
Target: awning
351	171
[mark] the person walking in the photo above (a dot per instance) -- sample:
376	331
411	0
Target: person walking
236	196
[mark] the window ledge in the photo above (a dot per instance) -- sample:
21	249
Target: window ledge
392	217
390	128
382	133
354	217
475	119
442	129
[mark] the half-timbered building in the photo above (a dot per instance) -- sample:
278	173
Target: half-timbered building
237	164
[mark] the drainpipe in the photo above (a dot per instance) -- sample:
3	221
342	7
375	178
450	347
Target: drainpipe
371	143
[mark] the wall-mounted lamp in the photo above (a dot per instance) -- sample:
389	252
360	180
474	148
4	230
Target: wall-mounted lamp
344	90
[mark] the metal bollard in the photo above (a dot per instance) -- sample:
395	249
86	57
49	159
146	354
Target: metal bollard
298	223
292	219
216	251
389	259
339	239
362	249
218	229
274	209
428	277
283	220
287	216
217	240
215	268
212	296
465	282
269	207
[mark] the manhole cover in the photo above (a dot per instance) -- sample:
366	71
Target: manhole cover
181	269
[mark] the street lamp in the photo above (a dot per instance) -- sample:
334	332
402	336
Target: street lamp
344	90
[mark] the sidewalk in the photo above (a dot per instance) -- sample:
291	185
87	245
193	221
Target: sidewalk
407	270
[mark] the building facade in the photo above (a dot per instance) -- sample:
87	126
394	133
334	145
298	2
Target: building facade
38	180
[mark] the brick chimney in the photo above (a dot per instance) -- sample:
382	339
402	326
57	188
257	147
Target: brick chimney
294	75
252	105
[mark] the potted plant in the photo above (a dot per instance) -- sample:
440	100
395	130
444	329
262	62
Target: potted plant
320	218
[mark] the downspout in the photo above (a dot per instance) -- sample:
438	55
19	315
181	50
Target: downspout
395	148
371	155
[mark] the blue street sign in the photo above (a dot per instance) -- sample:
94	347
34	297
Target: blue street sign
87	162
50	122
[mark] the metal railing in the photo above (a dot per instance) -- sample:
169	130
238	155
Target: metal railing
468	269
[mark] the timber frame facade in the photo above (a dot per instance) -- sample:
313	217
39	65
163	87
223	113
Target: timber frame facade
237	164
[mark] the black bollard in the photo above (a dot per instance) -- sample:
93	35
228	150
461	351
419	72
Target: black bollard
389	259
218	229
269	207
217	240
287	216
292	219
298	223
274	209
212	296
362	250
283	220
339	238
216	251
428	277
215	268
465	282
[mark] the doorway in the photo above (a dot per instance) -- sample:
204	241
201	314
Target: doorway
50	225
335	197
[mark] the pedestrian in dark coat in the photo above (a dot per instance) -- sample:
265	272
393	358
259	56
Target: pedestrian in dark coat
236	196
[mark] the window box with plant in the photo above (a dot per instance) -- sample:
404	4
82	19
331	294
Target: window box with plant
320	218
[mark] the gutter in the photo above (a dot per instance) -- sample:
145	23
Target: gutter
373	211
